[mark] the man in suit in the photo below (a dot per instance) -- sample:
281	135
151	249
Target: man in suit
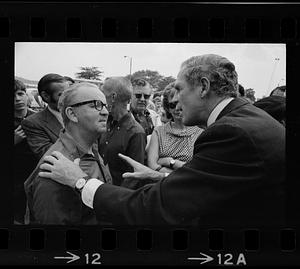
42	128
237	173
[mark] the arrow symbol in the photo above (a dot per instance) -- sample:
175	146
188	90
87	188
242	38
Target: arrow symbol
73	257
204	259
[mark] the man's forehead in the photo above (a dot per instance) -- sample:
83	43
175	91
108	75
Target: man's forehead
142	89
88	93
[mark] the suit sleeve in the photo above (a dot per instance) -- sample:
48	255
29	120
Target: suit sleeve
37	140
217	175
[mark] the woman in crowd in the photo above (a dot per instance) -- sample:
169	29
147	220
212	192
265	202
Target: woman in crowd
171	144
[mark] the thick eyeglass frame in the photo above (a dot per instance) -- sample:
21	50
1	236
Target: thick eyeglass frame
98	104
173	105
139	96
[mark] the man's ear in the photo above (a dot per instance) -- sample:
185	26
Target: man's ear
45	96
71	114
205	86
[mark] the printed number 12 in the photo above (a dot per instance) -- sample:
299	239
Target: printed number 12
95	258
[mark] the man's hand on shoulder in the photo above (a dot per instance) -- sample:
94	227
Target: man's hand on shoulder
60	169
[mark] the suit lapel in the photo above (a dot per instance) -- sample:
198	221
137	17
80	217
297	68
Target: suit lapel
52	124
234	104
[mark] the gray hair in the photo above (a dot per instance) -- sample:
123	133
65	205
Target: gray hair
219	70
121	86
67	96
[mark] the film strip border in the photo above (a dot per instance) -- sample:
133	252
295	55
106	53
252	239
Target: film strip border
155	22
148	23
176	243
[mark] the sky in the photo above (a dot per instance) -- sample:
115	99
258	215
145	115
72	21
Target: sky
261	67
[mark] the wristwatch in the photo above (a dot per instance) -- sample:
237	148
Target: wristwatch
172	162
80	183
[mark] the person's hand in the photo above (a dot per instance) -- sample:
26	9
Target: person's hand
19	135
164	161
61	169
140	171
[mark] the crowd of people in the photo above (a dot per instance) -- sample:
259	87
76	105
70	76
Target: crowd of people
121	154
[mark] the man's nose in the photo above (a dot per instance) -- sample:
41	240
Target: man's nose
142	97
104	111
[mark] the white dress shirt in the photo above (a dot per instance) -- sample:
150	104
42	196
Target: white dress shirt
90	188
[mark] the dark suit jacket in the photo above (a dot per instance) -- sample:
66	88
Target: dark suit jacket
42	130
236	177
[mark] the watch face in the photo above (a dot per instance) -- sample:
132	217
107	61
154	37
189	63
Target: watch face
172	161
80	183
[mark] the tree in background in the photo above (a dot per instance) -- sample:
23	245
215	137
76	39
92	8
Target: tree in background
157	81
250	94
89	73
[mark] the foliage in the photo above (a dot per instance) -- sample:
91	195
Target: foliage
156	80
89	73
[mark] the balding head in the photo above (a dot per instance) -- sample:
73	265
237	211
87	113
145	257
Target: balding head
217	69
120	86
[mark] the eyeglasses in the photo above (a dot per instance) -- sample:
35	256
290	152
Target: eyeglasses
97	104
173	105
139	96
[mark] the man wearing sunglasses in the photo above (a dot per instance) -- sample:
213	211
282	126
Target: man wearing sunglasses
236	176
141	95
83	109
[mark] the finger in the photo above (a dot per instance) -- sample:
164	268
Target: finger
131	175
46	166
76	161
130	161
45	174
50	159
57	155
18	128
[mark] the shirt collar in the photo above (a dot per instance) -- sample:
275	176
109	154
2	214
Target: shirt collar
217	110
57	115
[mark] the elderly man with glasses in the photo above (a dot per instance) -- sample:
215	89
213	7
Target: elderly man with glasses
84	113
148	118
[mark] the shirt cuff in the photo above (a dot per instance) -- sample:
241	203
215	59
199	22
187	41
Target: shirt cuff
89	190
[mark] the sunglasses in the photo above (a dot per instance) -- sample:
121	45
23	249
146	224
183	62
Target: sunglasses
173	105
139	96
98	105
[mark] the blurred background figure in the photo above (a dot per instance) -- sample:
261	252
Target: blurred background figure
275	106
124	134
24	159
157	102
279	91
171	144
42	129
241	91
